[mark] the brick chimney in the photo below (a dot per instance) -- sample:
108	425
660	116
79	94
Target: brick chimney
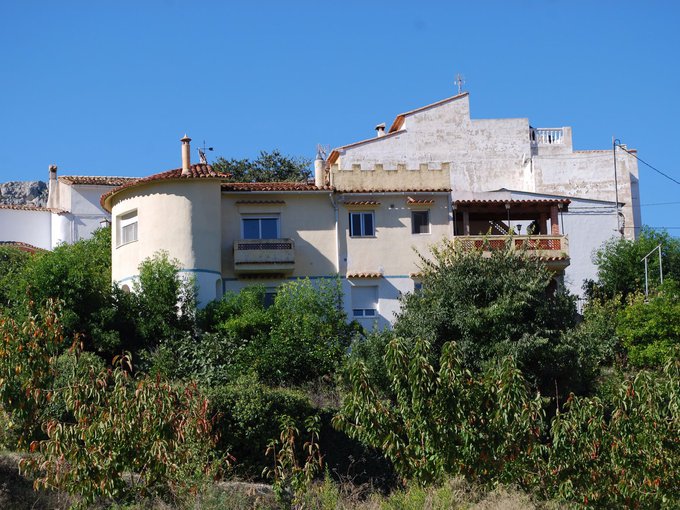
186	154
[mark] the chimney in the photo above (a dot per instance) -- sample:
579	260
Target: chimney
380	130
186	154
53	189
318	170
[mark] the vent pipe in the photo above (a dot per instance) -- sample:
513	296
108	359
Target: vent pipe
380	130
186	154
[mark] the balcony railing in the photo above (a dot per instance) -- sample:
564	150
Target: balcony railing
552	248
264	256
546	136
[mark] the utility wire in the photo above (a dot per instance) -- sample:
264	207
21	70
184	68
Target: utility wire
645	163
660	203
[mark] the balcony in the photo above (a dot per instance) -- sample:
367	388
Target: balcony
553	249
253	256
546	136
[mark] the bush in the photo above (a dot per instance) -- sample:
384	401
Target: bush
500	305
650	329
247	416
147	429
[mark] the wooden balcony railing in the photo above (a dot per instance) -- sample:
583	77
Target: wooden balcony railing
544	246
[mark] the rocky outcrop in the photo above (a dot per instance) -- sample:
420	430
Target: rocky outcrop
23	193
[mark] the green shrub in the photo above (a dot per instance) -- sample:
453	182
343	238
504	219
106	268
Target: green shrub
650	329
247	416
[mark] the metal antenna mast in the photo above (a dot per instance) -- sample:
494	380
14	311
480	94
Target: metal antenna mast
459	81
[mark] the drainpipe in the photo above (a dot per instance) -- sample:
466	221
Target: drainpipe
337	233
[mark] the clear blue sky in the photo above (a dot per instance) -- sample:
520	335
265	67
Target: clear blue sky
109	87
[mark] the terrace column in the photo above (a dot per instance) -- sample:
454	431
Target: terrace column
543	224
466	223
554	221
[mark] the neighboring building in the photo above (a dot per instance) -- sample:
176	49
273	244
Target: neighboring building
72	212
376	207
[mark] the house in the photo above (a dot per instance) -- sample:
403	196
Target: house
72	212
377	205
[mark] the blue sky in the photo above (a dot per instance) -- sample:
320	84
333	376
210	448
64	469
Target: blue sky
109	87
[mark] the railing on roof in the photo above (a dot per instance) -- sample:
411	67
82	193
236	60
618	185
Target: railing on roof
546	136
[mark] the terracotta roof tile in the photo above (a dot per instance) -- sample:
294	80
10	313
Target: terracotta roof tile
272	186
198	171
424	190
21	246
364	275
363	202
416	201
536	201
21	207
97	180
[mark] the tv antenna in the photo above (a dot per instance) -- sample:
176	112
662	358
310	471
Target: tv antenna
201	153
460	80
322	150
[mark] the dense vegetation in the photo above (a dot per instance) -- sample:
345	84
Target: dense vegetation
489	375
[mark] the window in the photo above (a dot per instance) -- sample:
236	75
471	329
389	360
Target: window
361	224
260	227
365	301
127	228
420	222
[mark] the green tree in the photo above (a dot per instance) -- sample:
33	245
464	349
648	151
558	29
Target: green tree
650	328
12	262
620	269
78	275
268	167
446	420
493	306
309	336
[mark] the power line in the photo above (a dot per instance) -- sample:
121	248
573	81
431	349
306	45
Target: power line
645	163
659	203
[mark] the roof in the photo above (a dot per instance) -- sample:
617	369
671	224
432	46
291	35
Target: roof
198	171
536	201
399	120
96	180
396	126
23	207
364	275
20	246
272	186
399	191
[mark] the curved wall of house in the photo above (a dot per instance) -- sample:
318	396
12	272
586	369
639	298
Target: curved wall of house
180	217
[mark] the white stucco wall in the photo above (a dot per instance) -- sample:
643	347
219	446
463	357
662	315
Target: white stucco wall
180	217
26	226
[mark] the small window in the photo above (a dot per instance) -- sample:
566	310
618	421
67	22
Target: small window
365	301
361	224
269	297
127	228
260	228
420	222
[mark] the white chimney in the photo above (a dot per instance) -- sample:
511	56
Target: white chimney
380	130
53	189
319	164
186	154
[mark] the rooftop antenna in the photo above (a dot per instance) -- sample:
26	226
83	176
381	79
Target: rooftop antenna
460	79
201	153
322	150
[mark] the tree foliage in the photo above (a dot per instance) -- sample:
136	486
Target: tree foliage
503	304
446	421
650	329
12	262
620	269
268	167
159	431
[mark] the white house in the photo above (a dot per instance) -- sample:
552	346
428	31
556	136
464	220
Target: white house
72	212
377	204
